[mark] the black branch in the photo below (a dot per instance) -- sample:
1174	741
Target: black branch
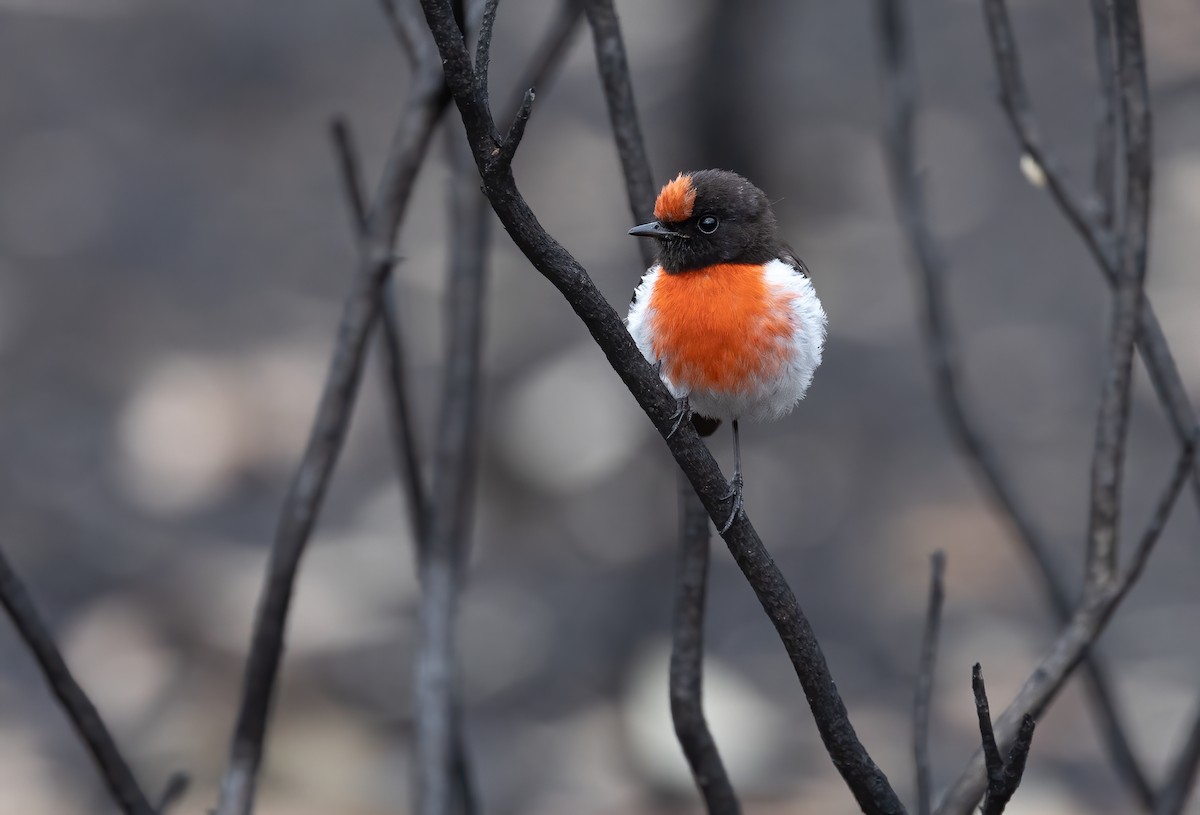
1004	775
866	781
924	692
899	84
82	714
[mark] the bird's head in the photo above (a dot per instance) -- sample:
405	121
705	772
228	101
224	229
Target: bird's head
708	217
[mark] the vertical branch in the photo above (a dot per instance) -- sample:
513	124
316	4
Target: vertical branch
393	368
613	67
929	644
307	491
456	452
899	83
1104	163
82	714
687	659
691	580
1112	428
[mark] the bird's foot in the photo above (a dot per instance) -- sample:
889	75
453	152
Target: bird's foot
683	413
735	493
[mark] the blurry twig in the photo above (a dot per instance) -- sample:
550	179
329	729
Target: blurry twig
426	102
899	82
691	579
1099	239
75	703
455	453
613	67
925	668
1181	776
865	780
408	459
1004	775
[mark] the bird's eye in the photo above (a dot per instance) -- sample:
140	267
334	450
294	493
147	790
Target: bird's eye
708	224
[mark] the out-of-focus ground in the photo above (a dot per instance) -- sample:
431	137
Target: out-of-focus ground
173	255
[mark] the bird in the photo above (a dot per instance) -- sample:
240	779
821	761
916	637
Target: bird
727	313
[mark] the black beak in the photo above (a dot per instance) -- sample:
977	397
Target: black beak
653	230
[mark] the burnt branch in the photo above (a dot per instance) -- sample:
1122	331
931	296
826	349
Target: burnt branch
866	781
899	83
1004	775
302	505
82	714
1104	162
1088	220
929	644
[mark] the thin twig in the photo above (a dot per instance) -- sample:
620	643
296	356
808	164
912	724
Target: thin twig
454	467
306	493
1112	428
177	785
1181	777
613	67
929	644
1004	776
82	714
1104	162
400	414
899	82
1086	626
866	781
1152	343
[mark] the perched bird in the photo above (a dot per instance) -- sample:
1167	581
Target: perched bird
727	313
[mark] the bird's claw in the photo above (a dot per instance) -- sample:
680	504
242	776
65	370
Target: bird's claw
735	493
683	413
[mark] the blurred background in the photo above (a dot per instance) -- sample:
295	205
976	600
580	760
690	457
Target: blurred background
174	251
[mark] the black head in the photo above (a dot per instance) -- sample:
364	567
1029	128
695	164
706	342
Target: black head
708	217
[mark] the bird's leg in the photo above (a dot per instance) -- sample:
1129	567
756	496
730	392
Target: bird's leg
735	484
683	413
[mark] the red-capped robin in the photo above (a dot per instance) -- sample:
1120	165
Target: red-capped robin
728	313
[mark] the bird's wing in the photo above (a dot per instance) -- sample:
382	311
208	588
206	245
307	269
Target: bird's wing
788	255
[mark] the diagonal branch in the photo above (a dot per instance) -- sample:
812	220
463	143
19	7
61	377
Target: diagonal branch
866	781
307	491
929	644
84	717
899	82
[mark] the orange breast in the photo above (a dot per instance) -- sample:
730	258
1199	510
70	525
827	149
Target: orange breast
720	328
